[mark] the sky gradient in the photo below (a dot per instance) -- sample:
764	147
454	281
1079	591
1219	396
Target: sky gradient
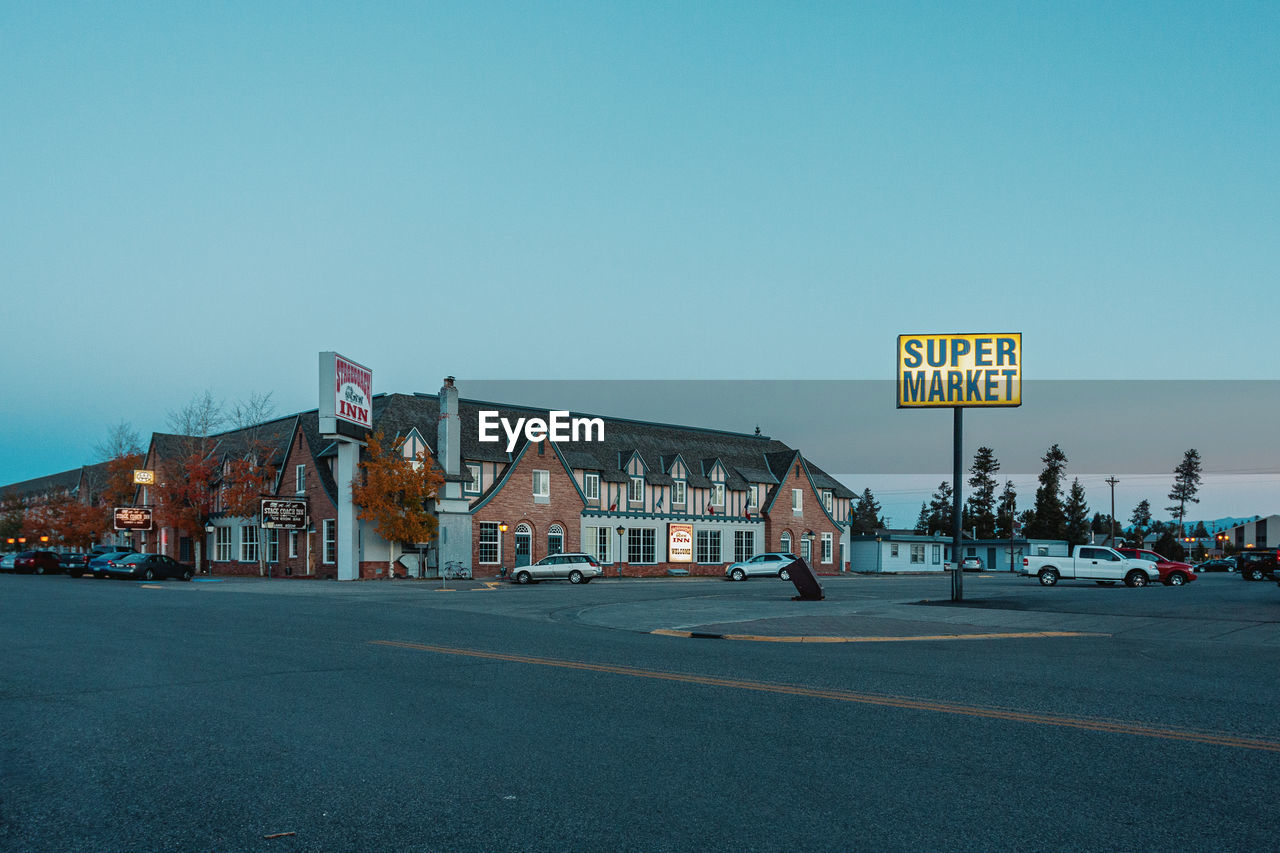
204	196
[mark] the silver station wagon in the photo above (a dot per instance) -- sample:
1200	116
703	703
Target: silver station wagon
766	565
575	568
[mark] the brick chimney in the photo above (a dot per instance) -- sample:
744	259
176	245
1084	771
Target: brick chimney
449	429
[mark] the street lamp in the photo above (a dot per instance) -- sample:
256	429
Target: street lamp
502	528
621	530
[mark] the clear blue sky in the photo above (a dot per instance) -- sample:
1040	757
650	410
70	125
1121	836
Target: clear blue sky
205	195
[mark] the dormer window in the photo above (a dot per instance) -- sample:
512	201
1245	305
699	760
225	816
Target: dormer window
827	499
635	490
591	486
717	494
678	493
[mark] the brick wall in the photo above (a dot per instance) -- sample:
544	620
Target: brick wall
781	519
514	505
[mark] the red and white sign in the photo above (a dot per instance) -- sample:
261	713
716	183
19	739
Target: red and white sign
680	543
346	393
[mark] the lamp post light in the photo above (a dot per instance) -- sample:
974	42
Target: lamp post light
621	530
502	528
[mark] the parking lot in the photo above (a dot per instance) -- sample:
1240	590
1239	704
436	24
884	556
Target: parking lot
646	715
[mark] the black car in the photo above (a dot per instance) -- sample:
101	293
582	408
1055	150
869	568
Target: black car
73	563
1256	565
1217	566
97	565
37	562
148	567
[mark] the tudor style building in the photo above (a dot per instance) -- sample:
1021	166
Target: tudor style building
620	499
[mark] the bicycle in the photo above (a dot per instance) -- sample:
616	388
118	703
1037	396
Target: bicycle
454	570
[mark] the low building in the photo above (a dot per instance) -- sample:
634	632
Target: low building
897	551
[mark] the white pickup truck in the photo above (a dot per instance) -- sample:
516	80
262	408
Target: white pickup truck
1091	562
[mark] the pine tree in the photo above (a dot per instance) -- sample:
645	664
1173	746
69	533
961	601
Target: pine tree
1007	512
1050	518
980	508
866	514
941	509
1141	519
1077	514
1186	483
1200	532
922	523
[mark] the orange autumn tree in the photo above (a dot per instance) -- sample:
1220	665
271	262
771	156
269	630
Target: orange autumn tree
246	480
78	524
391	492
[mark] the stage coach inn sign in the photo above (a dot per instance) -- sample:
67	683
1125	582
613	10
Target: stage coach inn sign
346	397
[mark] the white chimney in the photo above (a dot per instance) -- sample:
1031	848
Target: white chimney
449	429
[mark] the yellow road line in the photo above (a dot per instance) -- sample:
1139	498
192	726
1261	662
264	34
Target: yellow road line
1097	724
759	638
150	586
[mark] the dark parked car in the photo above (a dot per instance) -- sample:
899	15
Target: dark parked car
37	562
1256	565
98	564
6	562
72	564
1217	566
148	567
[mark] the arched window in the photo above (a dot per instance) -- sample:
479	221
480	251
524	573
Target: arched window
786	543
555	539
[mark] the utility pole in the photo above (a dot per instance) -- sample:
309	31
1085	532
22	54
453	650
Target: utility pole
1111	481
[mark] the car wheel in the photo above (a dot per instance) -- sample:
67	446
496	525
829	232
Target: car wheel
1136	578
186	574
523	577
39	570
1177	579
1254	574
784	575
149	575
738	575
1105	583
575	576
1048	577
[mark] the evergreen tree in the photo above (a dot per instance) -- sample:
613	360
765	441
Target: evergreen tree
980	508
922	523
1201	532
1007	511
1141	519
1050	517
940	509
866	514
1077	514
1186	483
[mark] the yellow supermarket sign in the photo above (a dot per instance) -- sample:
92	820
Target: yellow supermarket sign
946	371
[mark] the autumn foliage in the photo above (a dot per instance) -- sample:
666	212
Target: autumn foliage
184	493
392	492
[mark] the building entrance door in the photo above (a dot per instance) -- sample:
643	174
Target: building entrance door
524	537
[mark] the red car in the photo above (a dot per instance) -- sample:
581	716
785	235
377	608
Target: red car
1172	573
37	562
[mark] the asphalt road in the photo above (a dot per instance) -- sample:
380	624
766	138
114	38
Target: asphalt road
394	716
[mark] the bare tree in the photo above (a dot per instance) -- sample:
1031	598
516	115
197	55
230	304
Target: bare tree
121	440
253	412
199	419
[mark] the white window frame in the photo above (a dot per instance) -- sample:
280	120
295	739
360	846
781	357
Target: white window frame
917	554
828	548
273	545
489	526
545	477
591	486
329	541
753	496
249	540
222	544
717	494
708	547
293	544
632	488
679	493
299	479
744	545
797	501
806	549
828	500
473	488
784	543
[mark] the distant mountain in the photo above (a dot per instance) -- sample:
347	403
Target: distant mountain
1212	526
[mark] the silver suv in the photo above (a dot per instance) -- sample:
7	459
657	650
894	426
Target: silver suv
575	568
769	565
